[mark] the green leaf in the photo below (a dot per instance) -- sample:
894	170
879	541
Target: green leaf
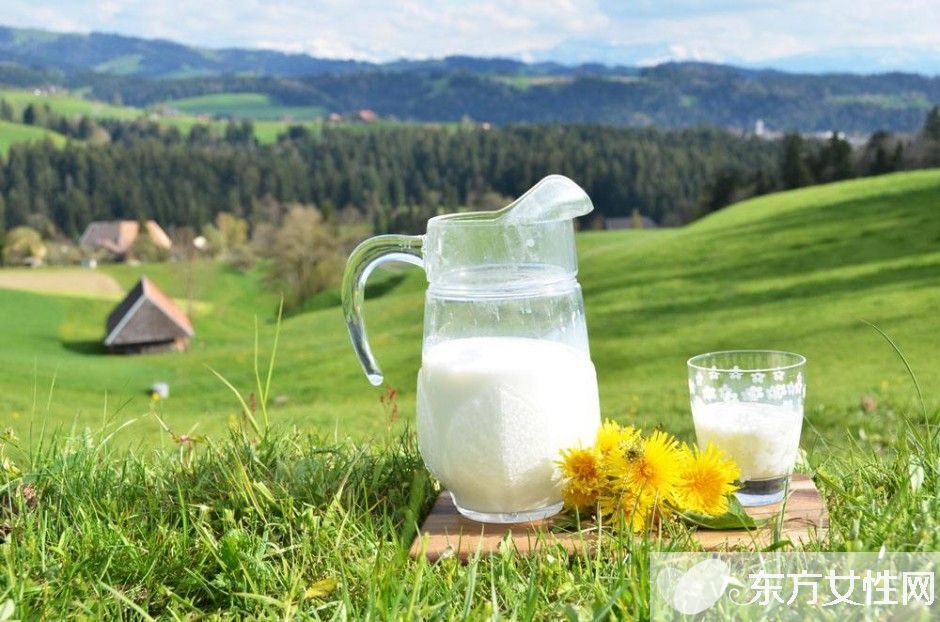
735	518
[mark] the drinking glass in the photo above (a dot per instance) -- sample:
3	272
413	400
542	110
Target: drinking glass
750	404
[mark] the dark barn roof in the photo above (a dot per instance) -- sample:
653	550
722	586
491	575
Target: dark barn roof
146	315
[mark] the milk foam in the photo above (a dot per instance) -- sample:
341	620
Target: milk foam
762	438
494	414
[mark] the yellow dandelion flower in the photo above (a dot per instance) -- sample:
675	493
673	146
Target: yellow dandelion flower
617	446
582	477
656	470
627	509
706	480
611	437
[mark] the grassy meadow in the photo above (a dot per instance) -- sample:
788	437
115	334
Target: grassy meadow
269	118
796	271
101	523
68	104
11	133
257	106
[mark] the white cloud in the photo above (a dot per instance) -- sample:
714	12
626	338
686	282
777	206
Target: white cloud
751	31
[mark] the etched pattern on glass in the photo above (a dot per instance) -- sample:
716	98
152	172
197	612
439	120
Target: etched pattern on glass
784	387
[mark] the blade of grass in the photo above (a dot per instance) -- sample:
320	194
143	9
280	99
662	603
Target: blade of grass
245	409
910	370
127	601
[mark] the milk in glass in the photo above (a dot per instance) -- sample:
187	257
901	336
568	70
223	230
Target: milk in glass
762	438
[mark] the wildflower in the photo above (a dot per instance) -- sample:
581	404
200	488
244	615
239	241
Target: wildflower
627	506
611	437
655	471
706	479
618	448
29	494
634	481
582	473
186	439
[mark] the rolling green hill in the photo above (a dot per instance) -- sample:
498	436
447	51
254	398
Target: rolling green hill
243	106
11	133
500	90
268	124
68	104
797	271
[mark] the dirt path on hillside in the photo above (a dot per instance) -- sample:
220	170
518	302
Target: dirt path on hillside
66	281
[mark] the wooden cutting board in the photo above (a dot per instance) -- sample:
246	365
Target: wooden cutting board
446	532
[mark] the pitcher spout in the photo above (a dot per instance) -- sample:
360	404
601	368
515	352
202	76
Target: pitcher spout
554	198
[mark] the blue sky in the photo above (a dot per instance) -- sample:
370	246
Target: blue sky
859	35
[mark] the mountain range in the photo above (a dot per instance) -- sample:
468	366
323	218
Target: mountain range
149	72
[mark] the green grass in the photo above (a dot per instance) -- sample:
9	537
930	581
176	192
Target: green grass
267	131
243	106
270	119
69	104
267	116
11	133
796	271
267	127
303	522
289	525
894	101
121	65
524	83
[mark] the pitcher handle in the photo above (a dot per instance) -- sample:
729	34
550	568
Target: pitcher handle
362	261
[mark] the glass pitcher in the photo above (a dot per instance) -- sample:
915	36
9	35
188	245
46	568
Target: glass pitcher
506	379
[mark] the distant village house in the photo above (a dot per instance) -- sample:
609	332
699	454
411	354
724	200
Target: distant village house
118	236
147	321
634	221
366	116
361	116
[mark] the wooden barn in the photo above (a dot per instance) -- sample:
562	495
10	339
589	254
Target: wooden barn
147	321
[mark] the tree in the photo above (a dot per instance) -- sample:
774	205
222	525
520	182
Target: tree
396	178
929	139
145	250
35	114
6	111
23	245
233	230
29	114
42	225
228	238
723	190
306	256
931	129
794	171
240	133
834	161
878	157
